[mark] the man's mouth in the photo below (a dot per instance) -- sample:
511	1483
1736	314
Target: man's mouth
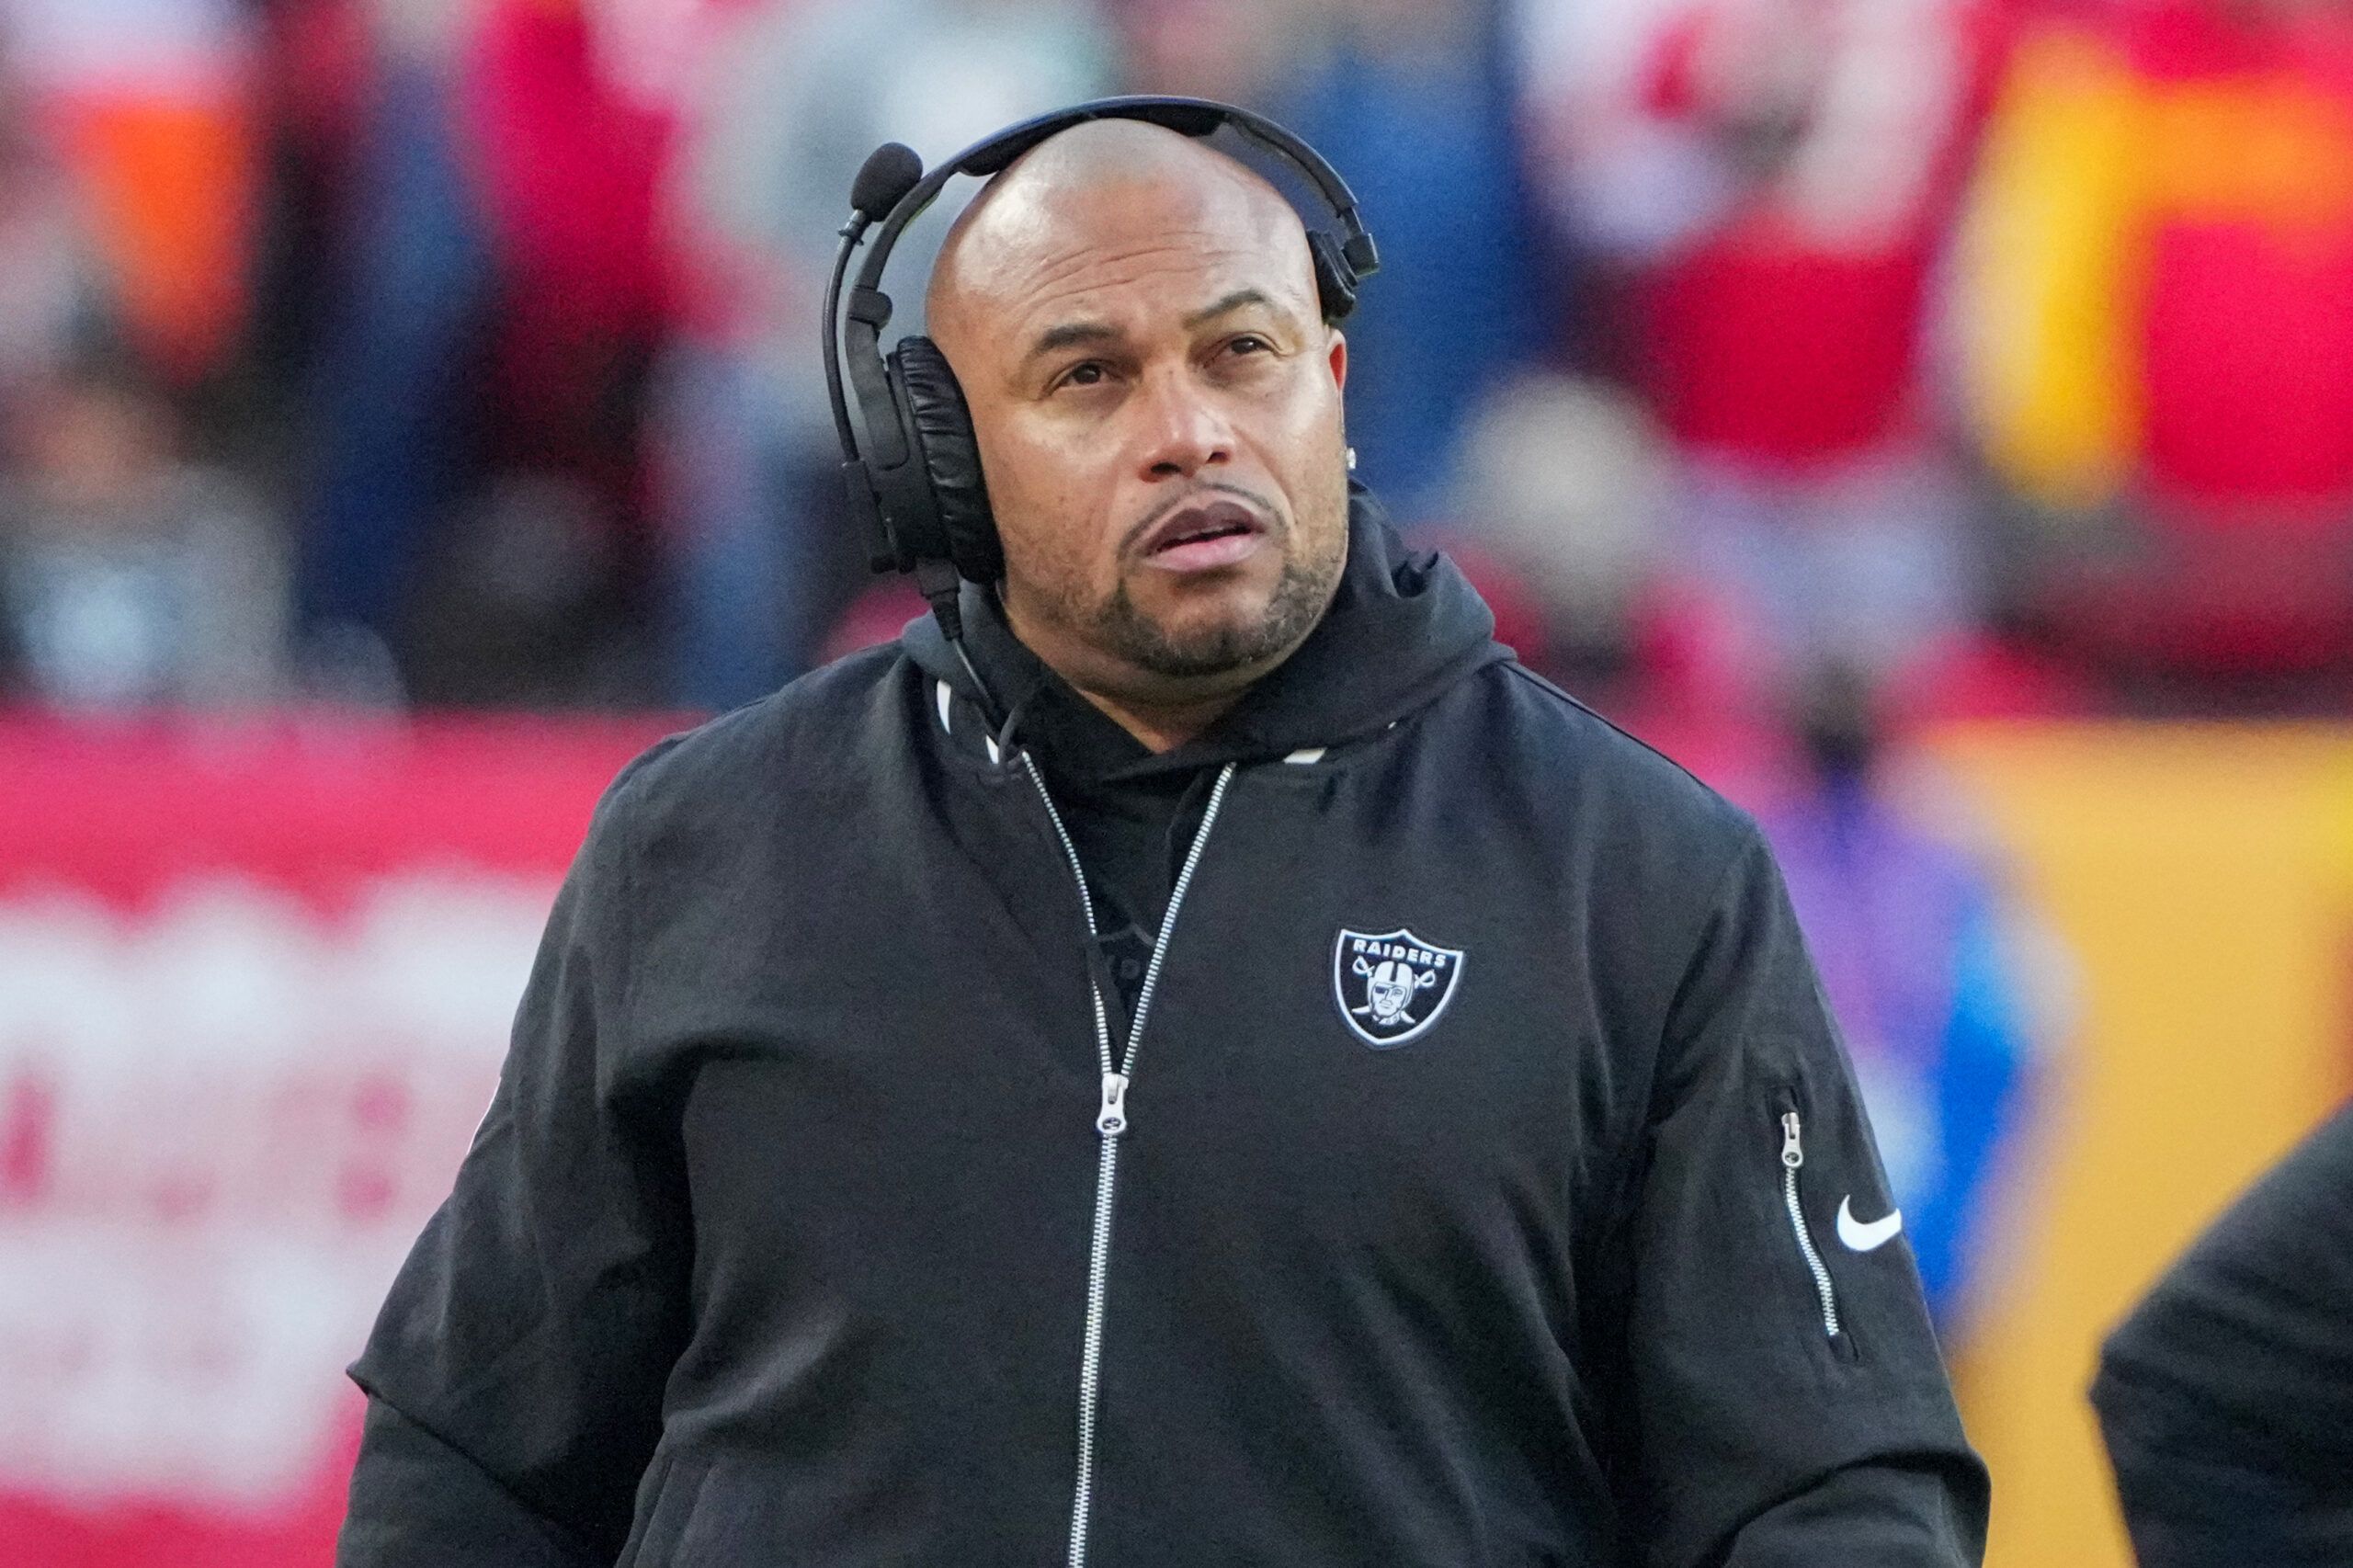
1202	538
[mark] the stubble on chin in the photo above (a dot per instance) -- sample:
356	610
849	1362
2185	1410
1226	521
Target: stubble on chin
1226	645
1116	629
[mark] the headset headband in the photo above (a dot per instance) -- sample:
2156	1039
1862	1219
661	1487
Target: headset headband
1196	117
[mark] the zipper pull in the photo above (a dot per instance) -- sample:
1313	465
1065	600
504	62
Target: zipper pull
1112	1119
1792	1152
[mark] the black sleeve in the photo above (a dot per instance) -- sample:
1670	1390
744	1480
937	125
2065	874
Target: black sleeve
2226	1399
515	1372
416	1499
1791	1401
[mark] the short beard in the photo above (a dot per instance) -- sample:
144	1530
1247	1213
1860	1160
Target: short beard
1301	597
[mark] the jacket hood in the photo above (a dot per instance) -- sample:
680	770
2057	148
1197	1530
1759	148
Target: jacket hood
1403	626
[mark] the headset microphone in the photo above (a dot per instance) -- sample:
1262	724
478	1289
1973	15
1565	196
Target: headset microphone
883	181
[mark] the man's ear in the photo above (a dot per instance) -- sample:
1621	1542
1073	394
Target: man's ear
1340	352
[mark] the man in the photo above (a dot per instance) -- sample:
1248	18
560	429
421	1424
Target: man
1298	1090
2226	1398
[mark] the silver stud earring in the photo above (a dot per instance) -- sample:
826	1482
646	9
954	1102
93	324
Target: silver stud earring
1352	460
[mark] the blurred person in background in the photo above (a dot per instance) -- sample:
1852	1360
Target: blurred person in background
51	298
317	62
2226	1397
1565	479
390	423
136	569
1763	188
789	96
153	110
130	578
568	110
2157	314
499	295
1930	970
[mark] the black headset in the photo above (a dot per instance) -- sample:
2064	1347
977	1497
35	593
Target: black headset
917	483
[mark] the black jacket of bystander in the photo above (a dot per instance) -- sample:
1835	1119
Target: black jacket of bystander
2227	1397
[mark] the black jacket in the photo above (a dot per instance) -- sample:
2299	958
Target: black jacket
1448	1223
2227	1397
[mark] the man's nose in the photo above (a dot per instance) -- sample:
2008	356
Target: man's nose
1182	432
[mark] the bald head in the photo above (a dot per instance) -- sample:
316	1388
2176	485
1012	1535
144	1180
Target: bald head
1106	182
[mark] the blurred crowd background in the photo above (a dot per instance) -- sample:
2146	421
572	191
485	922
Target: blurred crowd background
1928	419
1995	355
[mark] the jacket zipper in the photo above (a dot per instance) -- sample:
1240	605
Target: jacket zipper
1792	1161
1111	1120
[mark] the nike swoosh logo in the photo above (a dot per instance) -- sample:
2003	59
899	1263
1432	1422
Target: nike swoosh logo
1861	1237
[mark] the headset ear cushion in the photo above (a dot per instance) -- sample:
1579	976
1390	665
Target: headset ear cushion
940	427
1335	279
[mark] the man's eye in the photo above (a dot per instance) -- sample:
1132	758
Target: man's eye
1086	375
1249	341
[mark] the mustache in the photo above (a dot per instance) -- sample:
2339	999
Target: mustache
1276	522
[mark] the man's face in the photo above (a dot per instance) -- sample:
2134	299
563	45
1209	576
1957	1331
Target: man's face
1157	403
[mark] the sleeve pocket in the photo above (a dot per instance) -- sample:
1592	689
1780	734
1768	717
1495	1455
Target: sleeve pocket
1788	1128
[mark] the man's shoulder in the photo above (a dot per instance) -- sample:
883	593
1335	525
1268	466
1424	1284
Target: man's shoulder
799	734
1591	766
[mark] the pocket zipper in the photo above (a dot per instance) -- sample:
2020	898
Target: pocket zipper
1793	1160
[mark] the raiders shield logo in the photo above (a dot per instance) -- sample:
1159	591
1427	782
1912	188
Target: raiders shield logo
1391	988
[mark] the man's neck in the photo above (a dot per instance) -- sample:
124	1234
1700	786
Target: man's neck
1161	726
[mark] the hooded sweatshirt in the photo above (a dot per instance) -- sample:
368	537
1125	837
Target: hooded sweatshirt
1455	1185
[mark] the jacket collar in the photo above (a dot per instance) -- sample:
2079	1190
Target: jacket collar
1403	625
